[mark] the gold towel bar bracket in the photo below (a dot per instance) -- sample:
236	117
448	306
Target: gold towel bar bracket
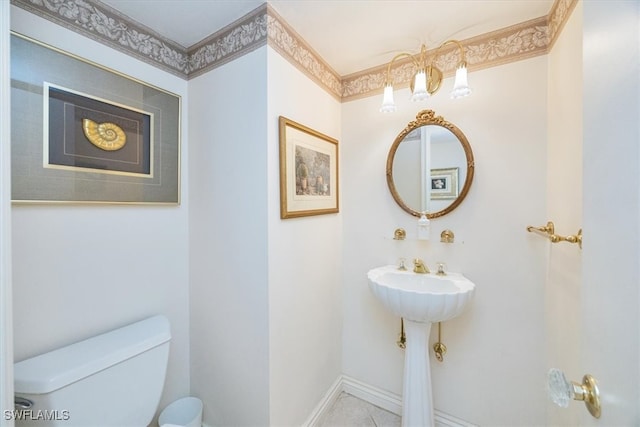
549	231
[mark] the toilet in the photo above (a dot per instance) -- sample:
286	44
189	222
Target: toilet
111	380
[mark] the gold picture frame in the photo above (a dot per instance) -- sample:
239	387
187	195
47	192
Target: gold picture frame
444	183
308	171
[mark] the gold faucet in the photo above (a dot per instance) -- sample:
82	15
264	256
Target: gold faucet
419	267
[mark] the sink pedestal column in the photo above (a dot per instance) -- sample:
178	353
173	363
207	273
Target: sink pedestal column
417	399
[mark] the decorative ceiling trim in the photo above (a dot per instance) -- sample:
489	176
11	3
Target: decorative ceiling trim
103	24
239	38
558	16
291	46
106	25
100	22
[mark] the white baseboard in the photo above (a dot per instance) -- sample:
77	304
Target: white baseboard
376	396
325	404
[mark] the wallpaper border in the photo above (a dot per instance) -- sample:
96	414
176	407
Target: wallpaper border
100	22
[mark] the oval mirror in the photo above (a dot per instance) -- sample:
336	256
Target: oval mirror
430	166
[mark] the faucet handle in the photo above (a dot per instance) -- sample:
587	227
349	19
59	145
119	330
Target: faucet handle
419	267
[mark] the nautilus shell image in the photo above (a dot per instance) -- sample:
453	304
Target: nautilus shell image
106	136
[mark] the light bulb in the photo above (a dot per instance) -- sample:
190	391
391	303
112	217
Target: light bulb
388	106
420	86
460	86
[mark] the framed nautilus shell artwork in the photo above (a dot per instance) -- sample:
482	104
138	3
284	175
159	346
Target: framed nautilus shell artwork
82	133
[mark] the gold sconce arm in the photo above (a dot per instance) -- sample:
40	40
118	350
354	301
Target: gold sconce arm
549	231
463	58
395	58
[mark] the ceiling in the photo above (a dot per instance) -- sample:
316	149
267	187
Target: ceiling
350	35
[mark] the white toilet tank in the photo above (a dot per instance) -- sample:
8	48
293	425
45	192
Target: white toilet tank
111	380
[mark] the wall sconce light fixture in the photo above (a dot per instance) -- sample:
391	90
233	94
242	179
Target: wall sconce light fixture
427	77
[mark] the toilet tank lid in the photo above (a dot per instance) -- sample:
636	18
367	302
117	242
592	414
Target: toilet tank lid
58	368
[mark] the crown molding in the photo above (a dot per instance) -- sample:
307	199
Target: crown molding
235	40
105	25
100	22
295	49
558	16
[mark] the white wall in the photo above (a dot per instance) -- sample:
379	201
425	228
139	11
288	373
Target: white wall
228	231
495	348
62	291
6	313
564	207
265	292
611	271
305	262
264	343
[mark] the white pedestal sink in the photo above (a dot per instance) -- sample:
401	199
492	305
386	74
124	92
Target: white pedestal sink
421	299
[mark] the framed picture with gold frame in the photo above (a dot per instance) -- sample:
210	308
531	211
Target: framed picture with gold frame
308	171
82	133
444	183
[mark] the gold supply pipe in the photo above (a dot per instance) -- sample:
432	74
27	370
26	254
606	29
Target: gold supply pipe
439	348
549	231
402	338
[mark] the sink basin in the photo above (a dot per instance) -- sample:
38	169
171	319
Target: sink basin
424	298
421	299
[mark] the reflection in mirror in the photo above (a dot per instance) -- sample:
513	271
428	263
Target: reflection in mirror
430	166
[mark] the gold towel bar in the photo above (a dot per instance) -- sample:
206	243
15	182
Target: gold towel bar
549	231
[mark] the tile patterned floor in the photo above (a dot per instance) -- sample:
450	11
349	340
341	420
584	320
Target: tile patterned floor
349	411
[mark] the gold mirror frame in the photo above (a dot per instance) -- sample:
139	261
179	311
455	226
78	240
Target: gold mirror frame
424	118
